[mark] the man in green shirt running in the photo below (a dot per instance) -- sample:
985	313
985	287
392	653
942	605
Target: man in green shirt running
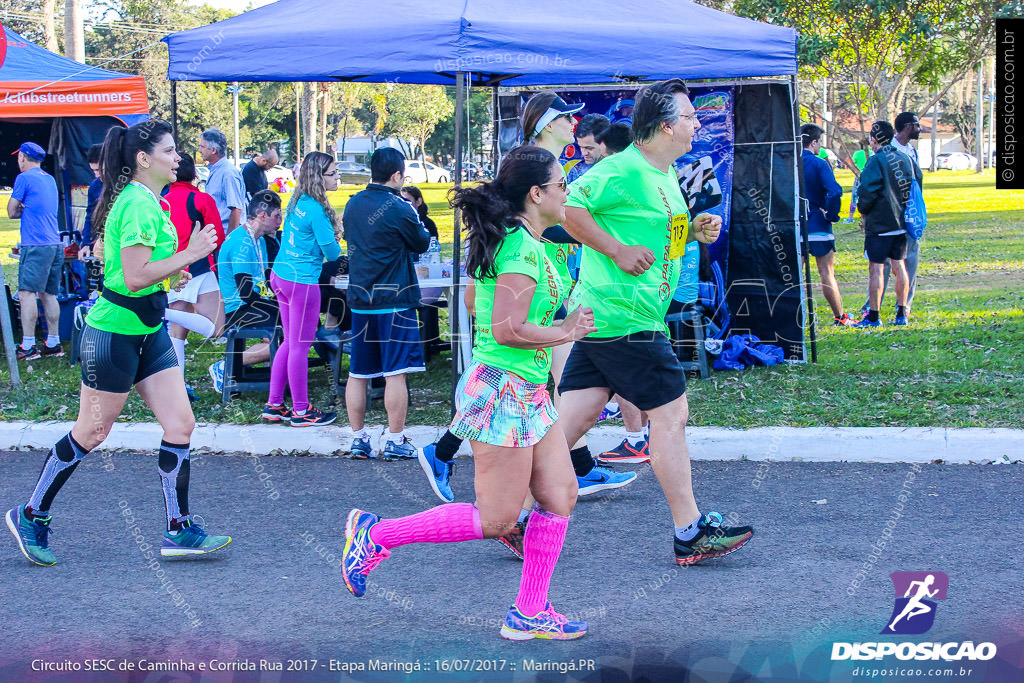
630	212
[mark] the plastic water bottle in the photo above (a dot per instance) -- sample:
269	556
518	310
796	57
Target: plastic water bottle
434	251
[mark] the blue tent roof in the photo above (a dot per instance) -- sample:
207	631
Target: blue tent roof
514	42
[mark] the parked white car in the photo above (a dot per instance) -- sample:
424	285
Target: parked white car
416	172
956	161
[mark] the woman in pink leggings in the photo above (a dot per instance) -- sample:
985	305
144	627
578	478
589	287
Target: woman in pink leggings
502	403
311	230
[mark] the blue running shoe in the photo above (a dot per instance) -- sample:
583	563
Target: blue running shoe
217	375
361	555
611	411
191	540
361	449
867	323
402	450
438	472
900	320
601	479
548	624
32	536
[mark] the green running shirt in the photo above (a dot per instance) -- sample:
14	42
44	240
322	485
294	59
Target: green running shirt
637	204
519	253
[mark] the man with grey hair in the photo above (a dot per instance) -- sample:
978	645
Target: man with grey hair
225	183
255	172
630	212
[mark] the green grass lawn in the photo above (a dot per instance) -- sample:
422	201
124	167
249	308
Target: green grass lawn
960	362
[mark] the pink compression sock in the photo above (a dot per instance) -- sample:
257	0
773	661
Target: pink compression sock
542	544
449	523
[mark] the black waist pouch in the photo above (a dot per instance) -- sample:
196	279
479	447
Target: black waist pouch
149	309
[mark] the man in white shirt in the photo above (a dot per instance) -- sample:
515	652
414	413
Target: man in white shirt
225	183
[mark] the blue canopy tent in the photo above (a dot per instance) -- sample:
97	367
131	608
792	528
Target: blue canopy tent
512	42
516	43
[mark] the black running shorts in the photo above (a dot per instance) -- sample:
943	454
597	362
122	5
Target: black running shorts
641	368
879	248
116	362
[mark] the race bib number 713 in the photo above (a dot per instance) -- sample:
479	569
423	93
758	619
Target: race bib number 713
680	230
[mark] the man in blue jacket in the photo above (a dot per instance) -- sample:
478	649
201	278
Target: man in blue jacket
383	231
824	200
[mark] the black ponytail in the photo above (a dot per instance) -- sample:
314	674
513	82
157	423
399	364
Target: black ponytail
118	160
486	213
489	209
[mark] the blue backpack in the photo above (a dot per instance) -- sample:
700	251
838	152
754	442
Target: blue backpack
915	215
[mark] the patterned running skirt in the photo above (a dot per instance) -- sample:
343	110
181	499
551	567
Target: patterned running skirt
501	408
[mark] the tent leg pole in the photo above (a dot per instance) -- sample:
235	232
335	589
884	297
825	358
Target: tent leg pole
8	336
456	304
494	128
174	109
798	150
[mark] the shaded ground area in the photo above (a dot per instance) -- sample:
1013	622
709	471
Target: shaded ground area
771	610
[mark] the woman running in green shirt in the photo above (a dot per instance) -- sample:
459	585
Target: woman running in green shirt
125	344
502	402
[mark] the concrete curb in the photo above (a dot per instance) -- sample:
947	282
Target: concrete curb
810	444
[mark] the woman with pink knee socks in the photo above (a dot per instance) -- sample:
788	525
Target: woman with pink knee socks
311	230
502	403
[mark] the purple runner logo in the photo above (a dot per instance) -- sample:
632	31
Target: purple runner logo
916	593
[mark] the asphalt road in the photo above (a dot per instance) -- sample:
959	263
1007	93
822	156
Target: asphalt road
770	611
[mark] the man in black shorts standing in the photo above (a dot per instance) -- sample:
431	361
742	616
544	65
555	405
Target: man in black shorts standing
885	185
630	212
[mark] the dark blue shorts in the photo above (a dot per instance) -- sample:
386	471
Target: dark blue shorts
819	248
385	344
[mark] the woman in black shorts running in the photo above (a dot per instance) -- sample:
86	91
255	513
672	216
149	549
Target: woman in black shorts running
125	344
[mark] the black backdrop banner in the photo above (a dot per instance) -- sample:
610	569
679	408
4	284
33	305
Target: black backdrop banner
765	289
766	295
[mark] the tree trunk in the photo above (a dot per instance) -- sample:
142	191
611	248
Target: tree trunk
49	25
74	33
308	113
324	97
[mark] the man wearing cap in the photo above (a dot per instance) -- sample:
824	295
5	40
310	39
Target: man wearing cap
40	257
882	199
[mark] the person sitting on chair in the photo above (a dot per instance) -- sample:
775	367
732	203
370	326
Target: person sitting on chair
242	274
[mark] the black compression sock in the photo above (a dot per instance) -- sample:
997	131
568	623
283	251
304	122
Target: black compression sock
447	446
582	461
901	311
873	316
